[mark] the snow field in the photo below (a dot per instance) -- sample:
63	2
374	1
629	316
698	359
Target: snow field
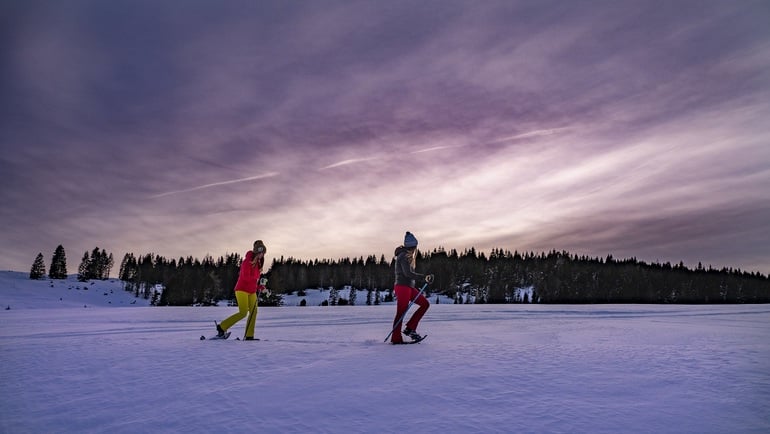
483	368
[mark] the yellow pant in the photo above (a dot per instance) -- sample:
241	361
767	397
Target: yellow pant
246	302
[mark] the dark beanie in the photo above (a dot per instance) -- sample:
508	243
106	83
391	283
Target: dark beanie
409	240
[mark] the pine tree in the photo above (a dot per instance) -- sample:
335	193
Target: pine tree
352	297
83	268
123	264
108	266
38	268
102	264
93	270
58	268
128	268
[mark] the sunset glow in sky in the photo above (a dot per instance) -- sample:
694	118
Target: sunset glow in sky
329	128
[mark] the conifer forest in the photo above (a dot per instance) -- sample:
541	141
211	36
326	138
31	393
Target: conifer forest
470	276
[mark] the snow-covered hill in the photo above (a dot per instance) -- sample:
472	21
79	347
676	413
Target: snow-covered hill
17	291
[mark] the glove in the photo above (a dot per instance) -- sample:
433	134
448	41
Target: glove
263	281
429	278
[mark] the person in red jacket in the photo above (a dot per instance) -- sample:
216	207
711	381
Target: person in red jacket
249	283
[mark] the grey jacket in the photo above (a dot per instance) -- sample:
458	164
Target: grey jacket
405	274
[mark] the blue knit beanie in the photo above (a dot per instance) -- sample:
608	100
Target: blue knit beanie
409	240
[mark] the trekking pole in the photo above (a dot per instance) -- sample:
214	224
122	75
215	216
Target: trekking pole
251	316
253	308
398	323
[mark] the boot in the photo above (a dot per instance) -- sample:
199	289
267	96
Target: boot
412	334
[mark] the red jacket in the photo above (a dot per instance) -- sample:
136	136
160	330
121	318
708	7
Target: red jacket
248	278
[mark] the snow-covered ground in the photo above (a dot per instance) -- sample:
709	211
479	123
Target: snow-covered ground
116	367
17	291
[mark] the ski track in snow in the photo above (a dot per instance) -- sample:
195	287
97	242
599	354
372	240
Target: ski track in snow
484	368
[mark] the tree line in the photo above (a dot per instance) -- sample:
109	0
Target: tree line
554	277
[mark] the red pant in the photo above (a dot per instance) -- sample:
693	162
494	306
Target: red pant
405	294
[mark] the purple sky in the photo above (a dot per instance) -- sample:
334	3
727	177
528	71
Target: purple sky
327	129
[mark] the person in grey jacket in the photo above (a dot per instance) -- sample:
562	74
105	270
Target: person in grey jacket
406	292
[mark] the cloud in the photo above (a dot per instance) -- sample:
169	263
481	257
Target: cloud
434	148
348	162
530	134
216	184
471	125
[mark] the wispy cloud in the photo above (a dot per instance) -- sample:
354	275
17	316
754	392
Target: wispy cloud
434	148
348	162
216	184
530	134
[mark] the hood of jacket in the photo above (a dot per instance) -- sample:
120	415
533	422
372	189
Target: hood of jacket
399	250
